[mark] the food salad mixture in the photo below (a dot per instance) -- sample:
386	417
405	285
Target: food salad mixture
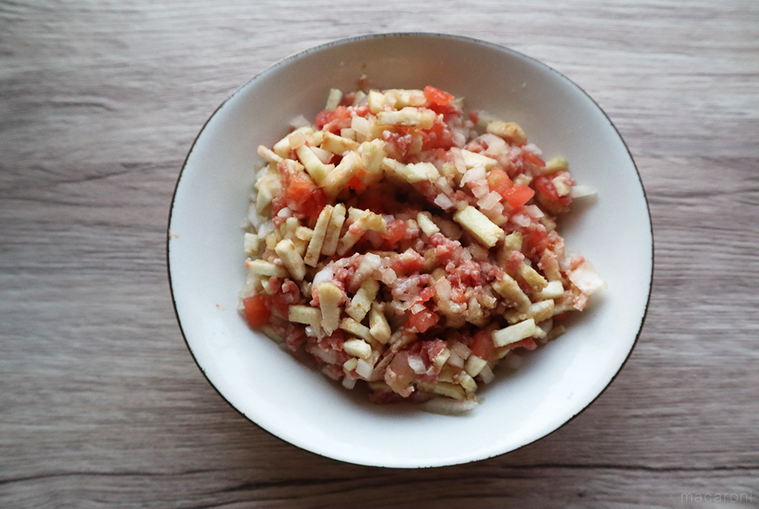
404	244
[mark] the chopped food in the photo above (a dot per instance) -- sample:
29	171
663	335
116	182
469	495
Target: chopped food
401	244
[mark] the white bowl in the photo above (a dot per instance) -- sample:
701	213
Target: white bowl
302	406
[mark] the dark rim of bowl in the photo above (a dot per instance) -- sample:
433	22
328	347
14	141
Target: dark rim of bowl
431	35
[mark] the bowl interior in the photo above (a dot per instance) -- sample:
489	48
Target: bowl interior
301	405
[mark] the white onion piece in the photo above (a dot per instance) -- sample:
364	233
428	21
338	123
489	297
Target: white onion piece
587	279
266	229
581	191
364	369
443	202
487	374
476	173
461	350
416	363
531	147
417	308
533	211
521	219
285	213
480	188
299	121
373	260
323	276
489	200
447	406
360	125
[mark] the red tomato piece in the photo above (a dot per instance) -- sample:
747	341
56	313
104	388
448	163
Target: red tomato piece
437	96
313	206
482	346
396	230
545	186
322	118
298	190
519	195
421	321
438	136
499	181
527	343
532	158
256	310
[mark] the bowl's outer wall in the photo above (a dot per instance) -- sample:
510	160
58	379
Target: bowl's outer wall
305	408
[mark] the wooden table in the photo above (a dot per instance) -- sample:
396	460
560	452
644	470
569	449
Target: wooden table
101	405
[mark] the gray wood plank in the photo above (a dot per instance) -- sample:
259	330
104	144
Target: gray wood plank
101	405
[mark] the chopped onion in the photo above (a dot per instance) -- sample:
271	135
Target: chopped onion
447	406
266	229
487	374
323	276
328	356
348	382
443	185
416	363
255	219
373	260
285	213
388	276
480	188
325	156
364	369
581	191
531	147
521	219
461	350
455	361
443	202
299	121
417	308
533	211
476	173
489	200
360	125
587	279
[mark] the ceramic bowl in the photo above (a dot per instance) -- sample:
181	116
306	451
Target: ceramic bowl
302	406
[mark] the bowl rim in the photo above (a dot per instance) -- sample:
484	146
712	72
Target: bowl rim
431	35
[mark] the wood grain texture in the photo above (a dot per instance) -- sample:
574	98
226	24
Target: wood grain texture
101	405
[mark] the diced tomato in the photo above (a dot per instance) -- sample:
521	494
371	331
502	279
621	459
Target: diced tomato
516	195
482	346
545	186
534	240
396	230
527	343
325	117
519	195
314	204
357	183
474	116
532	158
256	310
499	182
408	262
298	190
438	136
437	96
513	261
427	294
421	321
